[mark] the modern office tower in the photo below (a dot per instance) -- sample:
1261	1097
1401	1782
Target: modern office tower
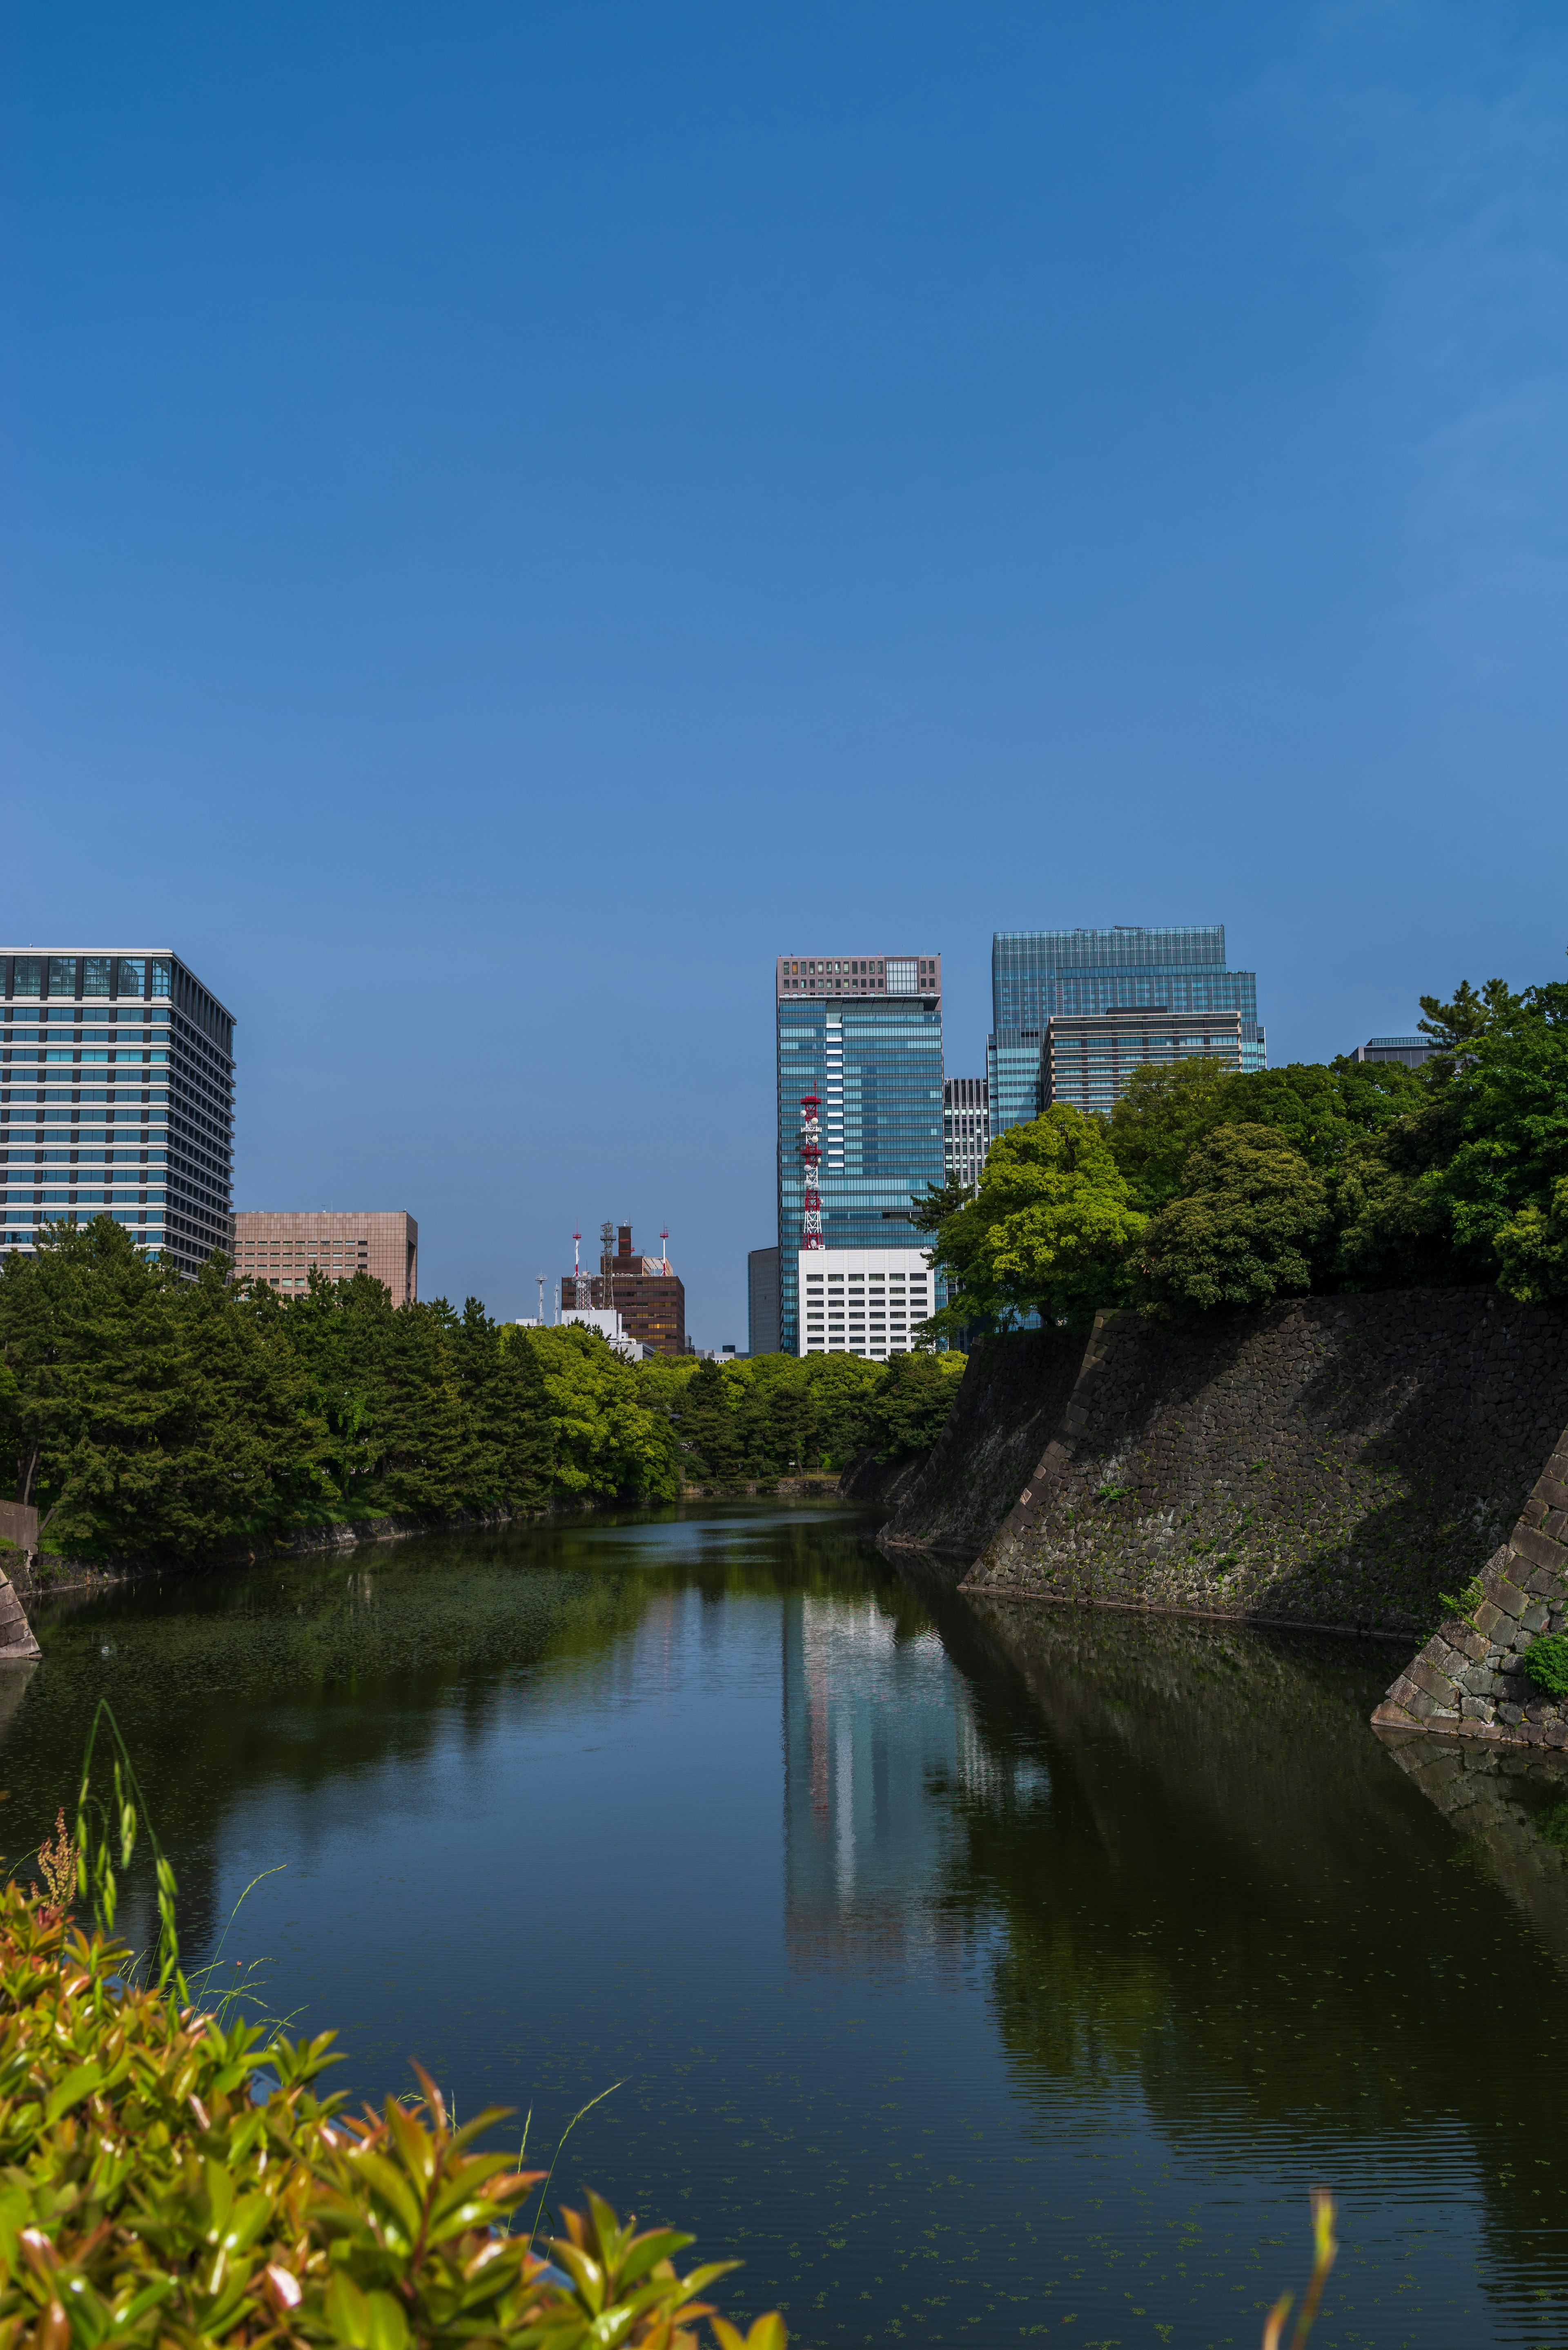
763	1301
966	1126
280	1245
646	1292
1411	1051
862	1301
1034	973
1088	1057
861	1037
117	1098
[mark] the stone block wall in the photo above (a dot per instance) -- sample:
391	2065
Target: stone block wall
1336	1460
1010	1400
1472	1678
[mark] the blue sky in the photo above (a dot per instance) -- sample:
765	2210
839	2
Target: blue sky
516	517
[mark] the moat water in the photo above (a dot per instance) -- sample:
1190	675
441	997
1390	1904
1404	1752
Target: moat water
975	1977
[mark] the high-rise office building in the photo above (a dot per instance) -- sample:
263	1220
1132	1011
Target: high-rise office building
1130	968
861	1036
763	1301
117	1098
966	1127
1088	1057
280	1246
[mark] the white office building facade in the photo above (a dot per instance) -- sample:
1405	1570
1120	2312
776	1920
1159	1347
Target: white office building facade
866	1302
966	1127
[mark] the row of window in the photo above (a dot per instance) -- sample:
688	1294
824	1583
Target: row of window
87	1199
44	975
76	1025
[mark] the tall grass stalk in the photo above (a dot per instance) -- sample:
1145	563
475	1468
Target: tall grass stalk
560	2142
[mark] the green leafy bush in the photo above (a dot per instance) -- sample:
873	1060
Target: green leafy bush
1546	1662
148	2198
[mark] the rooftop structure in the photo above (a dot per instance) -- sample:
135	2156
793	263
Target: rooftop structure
1410	1051
646	1292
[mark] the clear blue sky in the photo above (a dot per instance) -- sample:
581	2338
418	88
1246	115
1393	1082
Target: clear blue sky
517	515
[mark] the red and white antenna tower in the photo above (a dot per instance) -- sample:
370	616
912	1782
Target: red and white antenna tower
578	1300
664	1260
810	1170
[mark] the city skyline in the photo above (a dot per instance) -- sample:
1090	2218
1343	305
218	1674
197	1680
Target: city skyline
510	519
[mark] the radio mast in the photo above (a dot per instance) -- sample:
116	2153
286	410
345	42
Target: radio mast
811	1170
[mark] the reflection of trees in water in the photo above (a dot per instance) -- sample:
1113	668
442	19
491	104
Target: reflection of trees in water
303	1676
1231	1896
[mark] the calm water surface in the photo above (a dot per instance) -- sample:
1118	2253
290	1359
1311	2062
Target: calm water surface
980	1977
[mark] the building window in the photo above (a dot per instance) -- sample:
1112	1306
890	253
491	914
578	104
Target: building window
95	974
62	975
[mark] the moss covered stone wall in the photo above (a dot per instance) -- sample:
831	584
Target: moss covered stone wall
1338	1461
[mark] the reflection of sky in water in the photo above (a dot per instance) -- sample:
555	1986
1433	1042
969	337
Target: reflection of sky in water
972	1988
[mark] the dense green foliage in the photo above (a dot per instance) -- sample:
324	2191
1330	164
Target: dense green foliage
1048	1228
1209	1187
1546	1662
147	1414
147	2197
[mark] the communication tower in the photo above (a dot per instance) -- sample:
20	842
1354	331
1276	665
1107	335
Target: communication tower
811	1170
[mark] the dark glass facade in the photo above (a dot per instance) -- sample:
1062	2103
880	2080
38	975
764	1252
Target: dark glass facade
117	1098
1175	968
875	1062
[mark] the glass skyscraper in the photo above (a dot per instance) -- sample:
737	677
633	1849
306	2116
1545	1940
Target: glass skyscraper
864	1034
117	1098
1176	968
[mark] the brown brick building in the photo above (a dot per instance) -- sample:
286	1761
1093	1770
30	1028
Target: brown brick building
646	1292
280	1245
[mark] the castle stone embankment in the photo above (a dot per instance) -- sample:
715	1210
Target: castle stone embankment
1010	1401
1337	1461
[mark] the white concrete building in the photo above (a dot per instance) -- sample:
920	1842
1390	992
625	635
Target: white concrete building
611	1327
863	1301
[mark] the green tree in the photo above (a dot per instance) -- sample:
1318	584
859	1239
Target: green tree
1165	1109
1048	1231
1243	1233
907	1408
1457	1026
706	1426
1506	1096
527	1444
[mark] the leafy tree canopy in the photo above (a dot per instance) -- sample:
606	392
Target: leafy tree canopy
1245	1231
1048	1229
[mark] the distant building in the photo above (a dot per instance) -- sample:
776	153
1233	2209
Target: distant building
861	1035
1410	1051
611	1330
117	1098
862	1301
645	1291
966	1127
279	1246
1087	1057
763	1301
1036	974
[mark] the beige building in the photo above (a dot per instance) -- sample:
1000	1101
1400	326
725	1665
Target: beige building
280	1245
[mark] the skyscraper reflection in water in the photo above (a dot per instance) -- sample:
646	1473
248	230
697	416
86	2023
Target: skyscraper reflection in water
881	1760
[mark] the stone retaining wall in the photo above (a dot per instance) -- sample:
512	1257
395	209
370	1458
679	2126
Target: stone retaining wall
1010	1400
1472	1678
1337	1461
